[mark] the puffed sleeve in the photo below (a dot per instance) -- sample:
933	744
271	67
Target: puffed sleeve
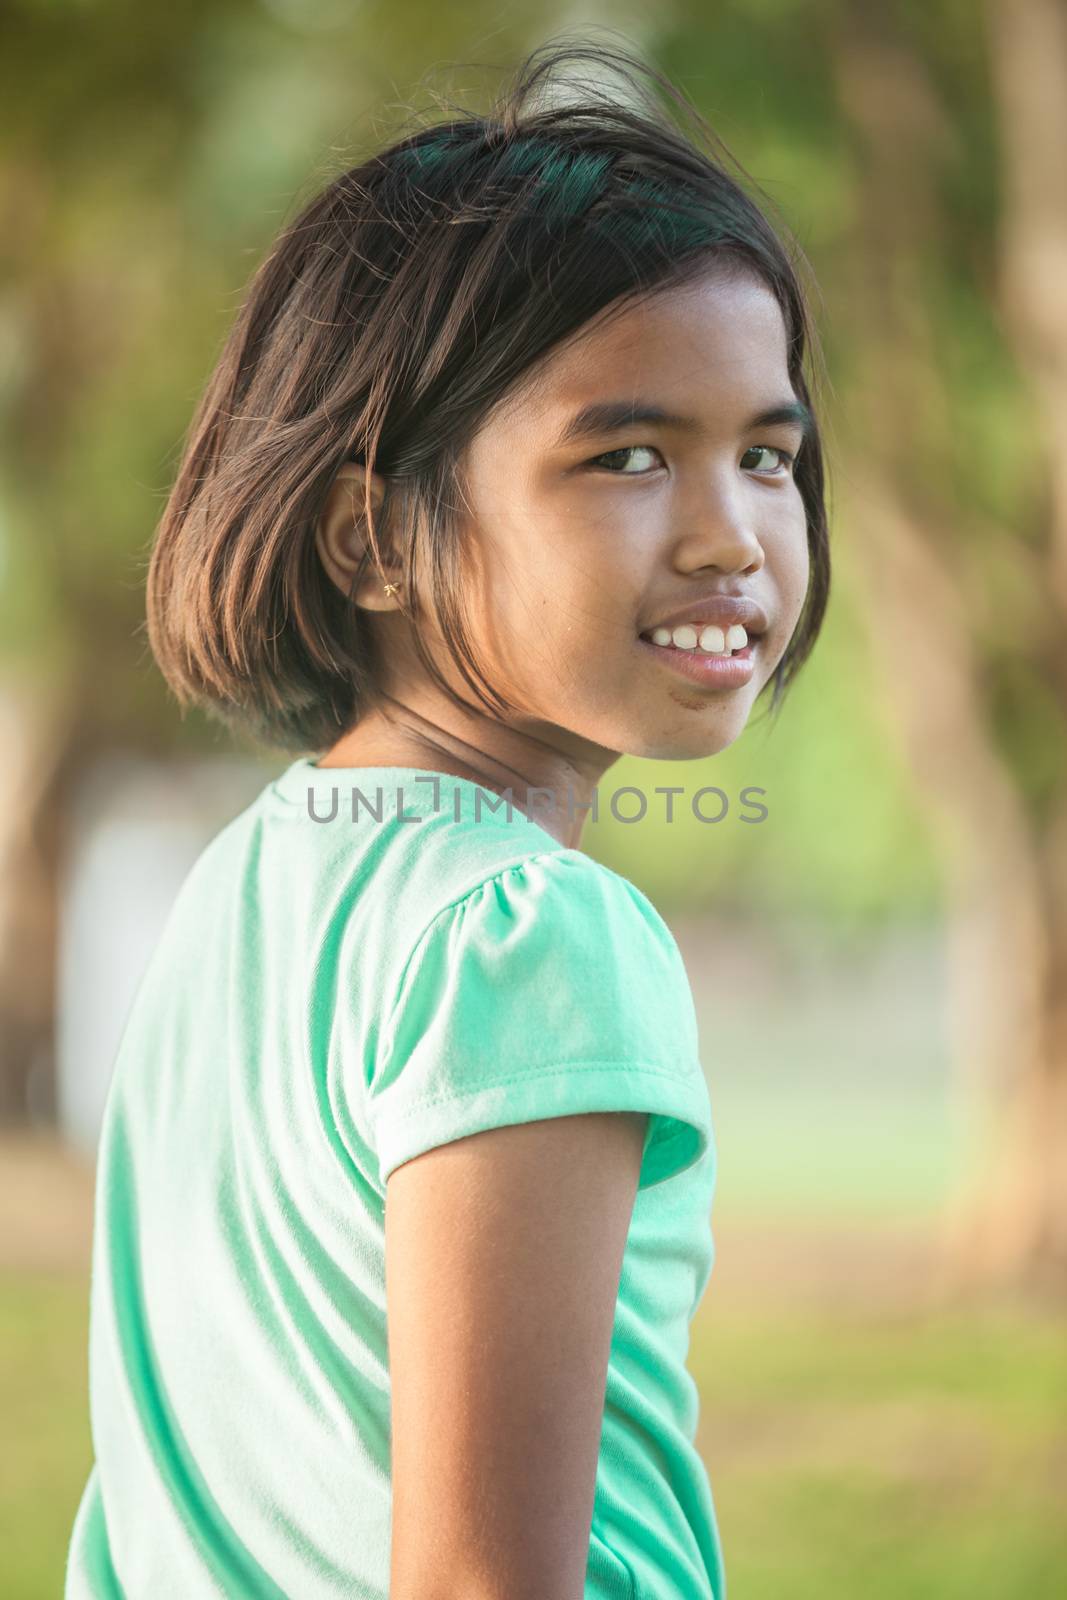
552	987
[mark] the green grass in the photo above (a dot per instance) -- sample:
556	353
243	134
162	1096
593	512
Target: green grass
916	1455
903	1455
44	1402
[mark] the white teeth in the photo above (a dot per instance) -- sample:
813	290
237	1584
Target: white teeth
712	640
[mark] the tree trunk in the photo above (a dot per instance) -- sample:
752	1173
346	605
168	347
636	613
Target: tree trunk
1023	1221
30	850
1005	920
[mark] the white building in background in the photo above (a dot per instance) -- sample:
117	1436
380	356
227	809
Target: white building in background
135	830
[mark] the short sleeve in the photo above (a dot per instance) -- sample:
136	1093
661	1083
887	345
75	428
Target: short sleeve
552	988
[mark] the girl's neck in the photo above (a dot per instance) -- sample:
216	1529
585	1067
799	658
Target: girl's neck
561	798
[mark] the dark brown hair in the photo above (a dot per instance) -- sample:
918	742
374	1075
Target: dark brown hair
403	303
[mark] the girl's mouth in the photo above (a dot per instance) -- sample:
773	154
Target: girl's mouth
725	671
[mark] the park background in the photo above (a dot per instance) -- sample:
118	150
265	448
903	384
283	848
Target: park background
880	968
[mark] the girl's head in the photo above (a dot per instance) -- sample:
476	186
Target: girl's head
393	406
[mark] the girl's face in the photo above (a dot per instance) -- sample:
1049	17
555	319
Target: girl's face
580	545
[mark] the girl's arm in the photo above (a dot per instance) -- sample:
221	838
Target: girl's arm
503	1256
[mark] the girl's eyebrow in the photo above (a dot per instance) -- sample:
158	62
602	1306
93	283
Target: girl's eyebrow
606	416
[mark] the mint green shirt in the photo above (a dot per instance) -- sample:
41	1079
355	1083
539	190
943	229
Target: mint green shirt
329	998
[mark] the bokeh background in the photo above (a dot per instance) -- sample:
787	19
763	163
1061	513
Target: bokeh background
880	967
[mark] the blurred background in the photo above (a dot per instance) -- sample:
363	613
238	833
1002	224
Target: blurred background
880	966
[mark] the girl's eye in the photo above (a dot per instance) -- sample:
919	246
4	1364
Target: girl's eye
636	449
773	449
626	450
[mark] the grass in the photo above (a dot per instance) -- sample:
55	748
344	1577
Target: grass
919	1454
44	1401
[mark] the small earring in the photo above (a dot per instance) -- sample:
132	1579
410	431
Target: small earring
391	588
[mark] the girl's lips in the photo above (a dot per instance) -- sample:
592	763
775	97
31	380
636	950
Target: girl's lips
716	672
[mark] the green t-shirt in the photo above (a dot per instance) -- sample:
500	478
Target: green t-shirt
330	997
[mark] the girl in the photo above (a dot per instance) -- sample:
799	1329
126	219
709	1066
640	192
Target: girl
403	1195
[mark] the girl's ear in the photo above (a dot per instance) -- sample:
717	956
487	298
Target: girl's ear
341	538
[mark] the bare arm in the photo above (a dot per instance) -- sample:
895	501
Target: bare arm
503	1256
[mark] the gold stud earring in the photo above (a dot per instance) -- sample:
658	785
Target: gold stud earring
391	588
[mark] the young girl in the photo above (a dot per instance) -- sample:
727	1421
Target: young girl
403	1194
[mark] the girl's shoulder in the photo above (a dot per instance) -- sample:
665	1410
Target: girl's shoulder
408	865
531	984
507	879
